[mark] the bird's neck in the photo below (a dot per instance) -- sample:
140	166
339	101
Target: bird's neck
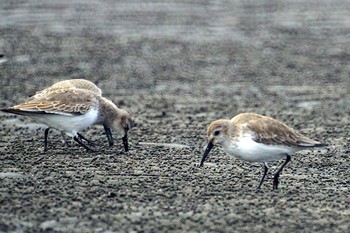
108	111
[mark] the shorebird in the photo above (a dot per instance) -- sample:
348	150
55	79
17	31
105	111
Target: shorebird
72	110
79	84
256	138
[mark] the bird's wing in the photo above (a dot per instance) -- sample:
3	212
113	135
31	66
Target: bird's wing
272	132
70	83
69	101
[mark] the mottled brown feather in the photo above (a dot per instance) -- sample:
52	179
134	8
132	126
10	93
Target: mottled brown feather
71	83
272	132
70	101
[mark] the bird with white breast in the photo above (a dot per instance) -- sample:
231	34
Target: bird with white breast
72	110
79	84
255	138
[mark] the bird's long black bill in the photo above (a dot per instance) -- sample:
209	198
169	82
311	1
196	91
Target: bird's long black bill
206	152
125	142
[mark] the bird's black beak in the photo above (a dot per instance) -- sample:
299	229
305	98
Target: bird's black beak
125	141
206	152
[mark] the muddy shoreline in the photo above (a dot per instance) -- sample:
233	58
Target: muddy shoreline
176	67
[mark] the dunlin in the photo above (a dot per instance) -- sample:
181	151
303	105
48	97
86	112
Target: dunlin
80	84
255	138
72	110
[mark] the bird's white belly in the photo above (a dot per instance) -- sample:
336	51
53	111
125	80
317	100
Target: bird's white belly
249	150
69	124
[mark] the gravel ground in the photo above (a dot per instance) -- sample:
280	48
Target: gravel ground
177	66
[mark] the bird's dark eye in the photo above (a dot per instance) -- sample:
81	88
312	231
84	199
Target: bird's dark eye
217	132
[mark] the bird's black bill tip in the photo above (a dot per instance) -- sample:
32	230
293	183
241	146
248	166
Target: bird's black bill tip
110	143
125	143
206	152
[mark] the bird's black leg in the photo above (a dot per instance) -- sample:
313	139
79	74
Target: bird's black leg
109	135
277	174
46	133
81	137
82	144
264	175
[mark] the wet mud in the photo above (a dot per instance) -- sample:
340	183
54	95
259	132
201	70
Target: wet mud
176	67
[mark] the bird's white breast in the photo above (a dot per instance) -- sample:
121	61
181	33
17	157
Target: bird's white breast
69	124
247	149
